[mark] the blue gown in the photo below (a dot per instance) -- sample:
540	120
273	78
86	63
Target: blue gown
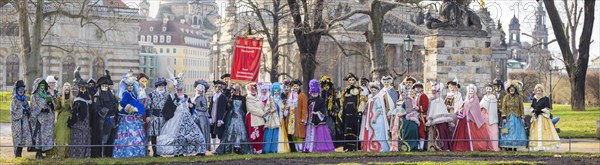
131	137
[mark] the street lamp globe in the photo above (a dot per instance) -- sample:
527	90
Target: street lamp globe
408	43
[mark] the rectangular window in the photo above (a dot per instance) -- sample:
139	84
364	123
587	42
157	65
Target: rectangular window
174	50
174	61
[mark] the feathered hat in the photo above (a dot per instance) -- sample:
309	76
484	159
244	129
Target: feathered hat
326	81
314	86
104	79
51	79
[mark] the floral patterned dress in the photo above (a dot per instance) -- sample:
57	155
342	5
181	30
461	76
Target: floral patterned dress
180	134
19	115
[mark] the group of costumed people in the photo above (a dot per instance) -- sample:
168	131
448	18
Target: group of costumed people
272	117
414	121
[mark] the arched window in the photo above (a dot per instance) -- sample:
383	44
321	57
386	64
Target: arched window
68	66
98	68
142	38
148	38
195	20
12	69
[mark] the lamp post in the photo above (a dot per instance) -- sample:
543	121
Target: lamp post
551	68
408	48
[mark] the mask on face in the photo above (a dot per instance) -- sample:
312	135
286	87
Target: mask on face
489	89
160	89
42	86
104	87
143	81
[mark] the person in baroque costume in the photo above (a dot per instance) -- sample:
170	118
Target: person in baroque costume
226	79
42	118
375	127
156	102
180	135
471	132
351	113
453	98
489	110
106	109
217	110
512	130
439	120
20	115
542	134
255	121
275	128
201	115
335	125
79	122
62	133
235	136
423	107
131	137
297	105
318	138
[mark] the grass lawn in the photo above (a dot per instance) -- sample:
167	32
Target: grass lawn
5	107
575	124
195	159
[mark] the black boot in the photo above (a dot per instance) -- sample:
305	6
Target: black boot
153	141
39	155
18	152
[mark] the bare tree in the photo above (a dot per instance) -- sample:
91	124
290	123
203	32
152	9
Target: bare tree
31	39
575	59
270	28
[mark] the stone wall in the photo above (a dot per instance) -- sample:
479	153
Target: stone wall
462	54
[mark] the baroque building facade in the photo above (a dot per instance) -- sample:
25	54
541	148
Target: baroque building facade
107	41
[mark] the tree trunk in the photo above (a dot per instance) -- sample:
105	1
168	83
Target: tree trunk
576	66
30	58
578	93
379	64
308	70
274	72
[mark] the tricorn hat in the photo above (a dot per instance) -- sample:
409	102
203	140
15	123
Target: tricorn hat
225	75
350	75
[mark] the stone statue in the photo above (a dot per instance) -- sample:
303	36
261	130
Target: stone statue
454	14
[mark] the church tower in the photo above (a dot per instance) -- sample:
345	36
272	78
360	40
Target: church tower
144	8
540	32
514	31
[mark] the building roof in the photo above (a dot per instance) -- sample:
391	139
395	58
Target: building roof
179	32
514	23
111	3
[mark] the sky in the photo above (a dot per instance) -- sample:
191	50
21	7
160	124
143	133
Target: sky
503	10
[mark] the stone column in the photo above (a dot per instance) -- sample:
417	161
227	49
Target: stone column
462	54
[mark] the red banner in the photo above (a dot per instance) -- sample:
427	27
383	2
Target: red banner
246	59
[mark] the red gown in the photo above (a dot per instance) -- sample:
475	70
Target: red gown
423	104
